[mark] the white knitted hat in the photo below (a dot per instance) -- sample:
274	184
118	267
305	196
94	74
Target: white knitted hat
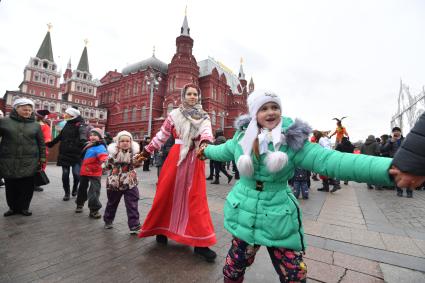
123	133
73	112
276	160
23	101
113	147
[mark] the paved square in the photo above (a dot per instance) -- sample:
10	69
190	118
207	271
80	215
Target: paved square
354	235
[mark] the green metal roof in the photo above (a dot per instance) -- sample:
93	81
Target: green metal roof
45	51
83	65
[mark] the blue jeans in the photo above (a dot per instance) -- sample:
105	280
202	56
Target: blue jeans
301	187
75	174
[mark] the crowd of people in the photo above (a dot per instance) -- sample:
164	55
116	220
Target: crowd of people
273	160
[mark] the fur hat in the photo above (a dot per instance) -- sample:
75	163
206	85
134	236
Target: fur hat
73	112
23	101
275	160
113	147
98	132
42	113
395	129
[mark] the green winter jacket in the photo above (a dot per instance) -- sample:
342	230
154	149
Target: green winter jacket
21	147
272	217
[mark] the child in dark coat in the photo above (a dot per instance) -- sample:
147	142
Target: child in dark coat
300	182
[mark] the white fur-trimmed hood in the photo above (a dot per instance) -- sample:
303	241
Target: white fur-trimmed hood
113	148
296	134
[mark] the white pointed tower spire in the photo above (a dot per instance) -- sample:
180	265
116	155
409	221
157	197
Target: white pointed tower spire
185	30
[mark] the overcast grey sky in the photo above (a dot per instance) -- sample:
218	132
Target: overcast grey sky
325	58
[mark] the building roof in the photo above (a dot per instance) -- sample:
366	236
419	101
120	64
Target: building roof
46	51
185	30
83	65
152	62
206	66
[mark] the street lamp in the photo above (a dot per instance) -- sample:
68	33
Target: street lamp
152	79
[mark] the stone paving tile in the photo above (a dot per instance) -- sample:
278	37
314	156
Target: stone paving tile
319	254
358	264
394	274
351	223
324	272
420	244
402	260
356	277
313	227
336	233
367	238
402	245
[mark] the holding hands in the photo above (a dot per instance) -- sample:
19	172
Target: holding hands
200	152
406	180
144	155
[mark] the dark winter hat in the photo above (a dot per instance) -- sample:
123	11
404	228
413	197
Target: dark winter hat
42	113
396	129
97	131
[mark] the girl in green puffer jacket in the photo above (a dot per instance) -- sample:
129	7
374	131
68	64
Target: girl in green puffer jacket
261	209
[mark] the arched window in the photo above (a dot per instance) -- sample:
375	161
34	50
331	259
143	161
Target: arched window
144	114
213	118
133	114
135	88
125	115
52	107
170	107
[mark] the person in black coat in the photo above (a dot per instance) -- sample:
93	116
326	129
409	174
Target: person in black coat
72	137
409	161
345	146
391	147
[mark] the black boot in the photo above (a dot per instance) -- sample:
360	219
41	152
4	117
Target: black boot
74	191
67	194
208	254
335	188
26	212
216	181
399	192
409	193
229	179
161	239
9	213
210	177
38	189
325	187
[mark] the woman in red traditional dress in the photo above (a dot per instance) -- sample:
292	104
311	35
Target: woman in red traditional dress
180	207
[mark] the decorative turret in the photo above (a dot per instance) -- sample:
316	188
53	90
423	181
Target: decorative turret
45	51
185	30
68	72
41	76
83	65
251	85
241	75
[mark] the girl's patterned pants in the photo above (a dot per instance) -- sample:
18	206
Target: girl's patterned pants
288	264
